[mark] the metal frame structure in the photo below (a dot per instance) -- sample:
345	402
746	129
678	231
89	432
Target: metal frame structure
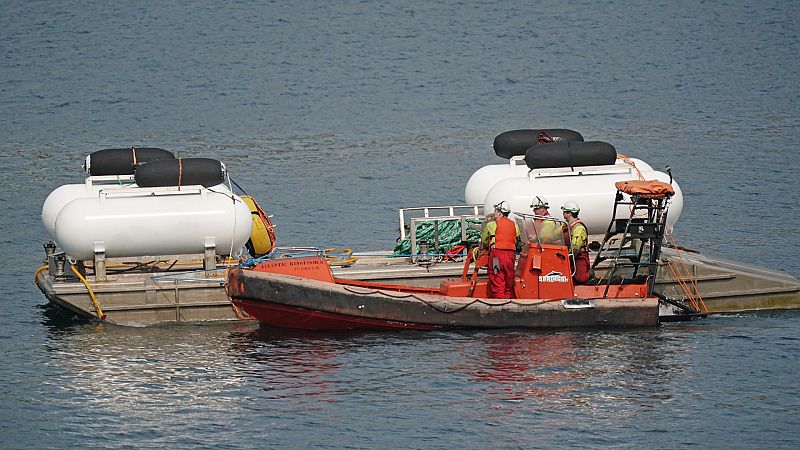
435	214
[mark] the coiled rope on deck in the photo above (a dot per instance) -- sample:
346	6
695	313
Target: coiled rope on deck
344	258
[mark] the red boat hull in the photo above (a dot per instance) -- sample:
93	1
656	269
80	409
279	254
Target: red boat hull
288	301
283	316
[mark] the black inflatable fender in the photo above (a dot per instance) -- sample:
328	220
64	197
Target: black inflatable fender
122	161
570	154
517	142
180	172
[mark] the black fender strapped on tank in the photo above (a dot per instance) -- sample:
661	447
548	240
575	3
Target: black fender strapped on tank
122	161
516	142
570	154
180	172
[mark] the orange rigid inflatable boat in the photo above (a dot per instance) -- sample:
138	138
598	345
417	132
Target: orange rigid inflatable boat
303	293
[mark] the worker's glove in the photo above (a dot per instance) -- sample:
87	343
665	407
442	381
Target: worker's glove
496	265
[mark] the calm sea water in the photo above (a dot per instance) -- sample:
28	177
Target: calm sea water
334	114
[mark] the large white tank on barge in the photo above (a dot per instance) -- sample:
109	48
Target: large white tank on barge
594	192
153	221
109	169
168	207
486	177
561	170
64	194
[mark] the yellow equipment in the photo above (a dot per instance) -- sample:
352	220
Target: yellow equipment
262	238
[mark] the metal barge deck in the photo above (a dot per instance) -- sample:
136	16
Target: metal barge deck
147	293
175	288
158	293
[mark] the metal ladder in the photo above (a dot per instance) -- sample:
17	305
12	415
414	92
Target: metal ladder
634	243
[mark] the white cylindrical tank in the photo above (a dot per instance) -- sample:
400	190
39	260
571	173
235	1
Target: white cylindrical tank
486	177
59	198
594	193
153	221
62	195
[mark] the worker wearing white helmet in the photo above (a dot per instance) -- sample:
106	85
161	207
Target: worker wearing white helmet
540	205
548	231
579	243
501	237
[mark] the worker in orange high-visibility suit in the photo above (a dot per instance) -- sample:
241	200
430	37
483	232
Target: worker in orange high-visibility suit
500	236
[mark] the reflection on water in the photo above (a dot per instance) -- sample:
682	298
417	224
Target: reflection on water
285	364
118	368
586	373
518	366
204	383
153	380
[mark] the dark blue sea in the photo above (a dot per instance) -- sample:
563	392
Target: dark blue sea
333	115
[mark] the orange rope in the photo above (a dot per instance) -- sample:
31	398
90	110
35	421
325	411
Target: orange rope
630	162
238	312
683	285
686	271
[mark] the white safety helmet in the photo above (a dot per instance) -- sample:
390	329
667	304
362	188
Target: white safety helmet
570	206
502	207
539	202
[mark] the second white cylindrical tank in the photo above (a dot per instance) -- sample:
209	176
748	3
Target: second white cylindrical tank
486	177
594	192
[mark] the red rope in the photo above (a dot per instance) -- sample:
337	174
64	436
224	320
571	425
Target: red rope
544	138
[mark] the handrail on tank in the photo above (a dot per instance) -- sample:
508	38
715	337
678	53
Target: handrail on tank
110	180
517	160
556	172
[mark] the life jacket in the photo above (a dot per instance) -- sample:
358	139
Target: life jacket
572	226
505	237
